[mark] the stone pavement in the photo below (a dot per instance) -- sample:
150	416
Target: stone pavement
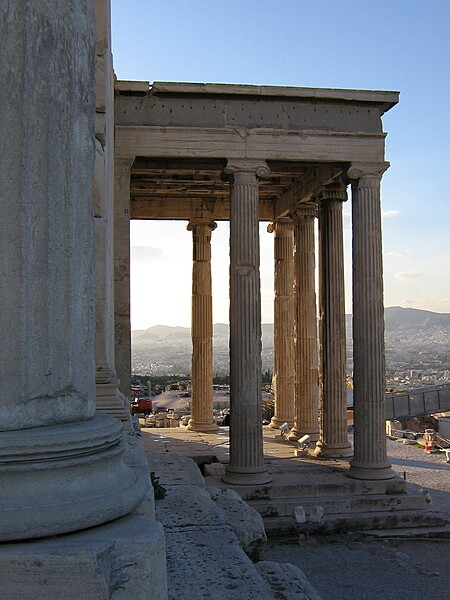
204	559
318	485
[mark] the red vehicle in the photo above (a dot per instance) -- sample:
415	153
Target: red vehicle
140	405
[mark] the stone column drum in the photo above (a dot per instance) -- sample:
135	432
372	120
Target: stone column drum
333	441
122	317
306	352
370	456
202	328
108	396
61	467
246	466
283	371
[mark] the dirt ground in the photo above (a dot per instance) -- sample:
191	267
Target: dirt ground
354	568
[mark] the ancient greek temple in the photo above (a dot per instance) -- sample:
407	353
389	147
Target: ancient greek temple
81	155
205	153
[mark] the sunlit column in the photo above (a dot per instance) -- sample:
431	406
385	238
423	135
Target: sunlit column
370	456
283	371
202	328
246	464
306	352
122	321
333	441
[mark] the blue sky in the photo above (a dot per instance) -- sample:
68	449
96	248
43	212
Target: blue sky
400	45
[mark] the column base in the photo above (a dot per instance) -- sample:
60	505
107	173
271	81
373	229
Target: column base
241	477
89	564
202	426
110	400
275	422
333	450
296	434
63	478
370	473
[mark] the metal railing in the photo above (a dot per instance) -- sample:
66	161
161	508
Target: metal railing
417	403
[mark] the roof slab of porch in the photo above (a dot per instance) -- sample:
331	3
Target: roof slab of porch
181	135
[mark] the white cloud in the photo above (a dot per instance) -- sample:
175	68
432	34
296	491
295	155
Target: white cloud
147	254
389	214
409	275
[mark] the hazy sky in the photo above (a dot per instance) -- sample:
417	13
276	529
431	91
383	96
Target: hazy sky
399	45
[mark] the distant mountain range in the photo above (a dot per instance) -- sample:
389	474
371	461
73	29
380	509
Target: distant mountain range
396	318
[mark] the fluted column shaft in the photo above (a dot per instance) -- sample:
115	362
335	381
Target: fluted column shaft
306	353
60	462
202	328
283	372
122	320
108	397
246	464
333	440
370	456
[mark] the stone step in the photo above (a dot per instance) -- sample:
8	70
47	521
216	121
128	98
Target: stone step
386	520
341	505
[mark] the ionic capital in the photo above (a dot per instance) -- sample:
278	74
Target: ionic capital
367	174
334	191
281	225
309	209
203	222
258	168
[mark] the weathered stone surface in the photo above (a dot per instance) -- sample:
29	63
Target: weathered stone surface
174	469
287	581
208	562
46	236
63	478
246	522
123	560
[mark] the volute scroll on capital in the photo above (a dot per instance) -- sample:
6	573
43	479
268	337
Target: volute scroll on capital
282	224
309	209
367	172
245	166
205	222
337	191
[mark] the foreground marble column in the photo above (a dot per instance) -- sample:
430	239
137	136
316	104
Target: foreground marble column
370	456
202	328
61	466
109	398
333	441
122	318
283	348
306	352
246	464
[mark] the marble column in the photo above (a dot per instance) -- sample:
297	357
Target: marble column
202	328
333	441
60	462
370	456
306	419
122	320
283	348
108	396
246	466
